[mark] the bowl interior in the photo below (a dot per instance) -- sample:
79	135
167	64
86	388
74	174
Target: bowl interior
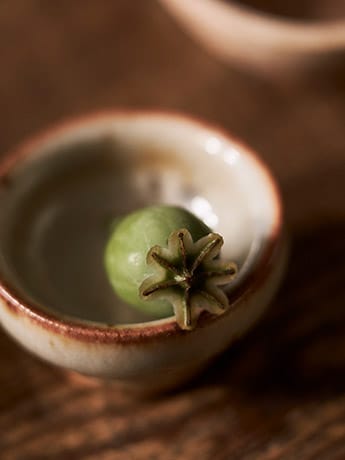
302	10
59	200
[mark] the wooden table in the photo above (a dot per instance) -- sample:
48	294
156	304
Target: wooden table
280	393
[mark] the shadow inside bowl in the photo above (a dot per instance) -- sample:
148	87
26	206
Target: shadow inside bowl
58	227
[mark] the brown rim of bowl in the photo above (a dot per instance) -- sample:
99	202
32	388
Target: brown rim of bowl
88	332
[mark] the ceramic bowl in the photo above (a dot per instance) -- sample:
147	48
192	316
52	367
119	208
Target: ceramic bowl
59	194
257	40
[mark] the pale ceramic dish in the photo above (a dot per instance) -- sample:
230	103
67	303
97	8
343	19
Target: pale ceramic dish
255	39
59	194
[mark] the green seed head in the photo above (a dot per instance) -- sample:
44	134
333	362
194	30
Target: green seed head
164	260
129	244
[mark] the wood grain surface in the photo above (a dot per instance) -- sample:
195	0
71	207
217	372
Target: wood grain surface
279	393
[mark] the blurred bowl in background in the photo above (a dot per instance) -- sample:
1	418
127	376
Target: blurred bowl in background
254	39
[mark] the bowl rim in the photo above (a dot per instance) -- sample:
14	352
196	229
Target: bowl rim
290	34
88	331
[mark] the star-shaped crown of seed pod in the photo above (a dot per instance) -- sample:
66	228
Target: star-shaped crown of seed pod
187	274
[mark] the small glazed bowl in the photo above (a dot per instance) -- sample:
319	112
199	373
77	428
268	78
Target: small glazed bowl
258	40
59	194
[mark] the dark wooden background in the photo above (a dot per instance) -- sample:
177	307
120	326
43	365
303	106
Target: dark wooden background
280	393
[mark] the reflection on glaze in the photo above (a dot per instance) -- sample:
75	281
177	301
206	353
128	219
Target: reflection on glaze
231	155
203	209
213	146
